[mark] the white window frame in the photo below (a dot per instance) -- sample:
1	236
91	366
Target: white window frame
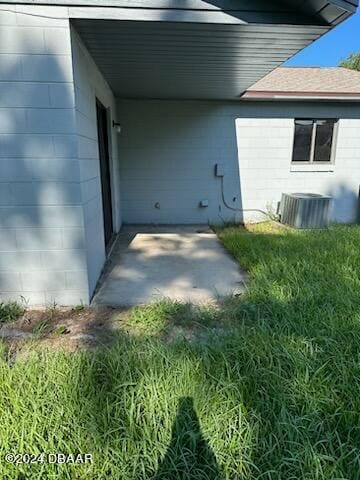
313	140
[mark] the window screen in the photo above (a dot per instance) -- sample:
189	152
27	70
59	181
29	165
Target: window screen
323	140
313	140
302	141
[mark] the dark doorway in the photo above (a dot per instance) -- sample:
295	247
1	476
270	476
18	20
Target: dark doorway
102	125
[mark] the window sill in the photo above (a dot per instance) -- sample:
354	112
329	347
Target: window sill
312	168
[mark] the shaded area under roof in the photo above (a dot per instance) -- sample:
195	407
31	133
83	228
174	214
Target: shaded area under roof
198	49
329	12
188	60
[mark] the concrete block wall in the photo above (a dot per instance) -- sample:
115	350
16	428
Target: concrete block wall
51	226
89	85
167	155
42	235
345	185
168	150
265	153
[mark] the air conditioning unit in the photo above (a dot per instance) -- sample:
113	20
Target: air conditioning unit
305	210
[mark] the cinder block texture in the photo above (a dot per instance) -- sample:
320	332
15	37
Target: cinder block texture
42	248
265	154
162	164
168	151
167	156
89	86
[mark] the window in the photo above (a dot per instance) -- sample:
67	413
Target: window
313	141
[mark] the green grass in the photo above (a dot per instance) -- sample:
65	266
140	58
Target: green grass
265	387
10	311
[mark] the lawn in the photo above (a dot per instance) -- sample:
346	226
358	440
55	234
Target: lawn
264	386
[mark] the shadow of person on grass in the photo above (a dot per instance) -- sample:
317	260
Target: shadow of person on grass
188	455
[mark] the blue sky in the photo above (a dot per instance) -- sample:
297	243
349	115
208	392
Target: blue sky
332	47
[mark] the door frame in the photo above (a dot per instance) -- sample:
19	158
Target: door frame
108	137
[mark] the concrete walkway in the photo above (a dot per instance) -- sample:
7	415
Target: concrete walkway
186	263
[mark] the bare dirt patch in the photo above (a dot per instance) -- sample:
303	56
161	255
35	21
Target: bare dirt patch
88	327
65	327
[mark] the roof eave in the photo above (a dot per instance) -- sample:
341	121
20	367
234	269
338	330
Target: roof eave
350	6
301	98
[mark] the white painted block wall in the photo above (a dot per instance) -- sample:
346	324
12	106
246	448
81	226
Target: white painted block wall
168	150
167	156
265	152
51	227
42	241
89	85
51	231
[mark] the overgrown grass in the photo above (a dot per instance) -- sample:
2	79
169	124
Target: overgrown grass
10	311
273	394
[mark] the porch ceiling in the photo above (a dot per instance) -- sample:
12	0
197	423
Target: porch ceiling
198	49
195	61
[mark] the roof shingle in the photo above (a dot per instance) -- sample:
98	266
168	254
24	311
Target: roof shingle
308	80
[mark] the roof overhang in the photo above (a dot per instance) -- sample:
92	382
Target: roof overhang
198	49
328	11
303	98
258	96
189	60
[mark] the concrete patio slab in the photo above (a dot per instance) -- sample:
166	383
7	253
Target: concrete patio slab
186	263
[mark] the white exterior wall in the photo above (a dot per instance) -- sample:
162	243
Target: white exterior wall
42	247
89	85
167	154
168	150
265	152
51	226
